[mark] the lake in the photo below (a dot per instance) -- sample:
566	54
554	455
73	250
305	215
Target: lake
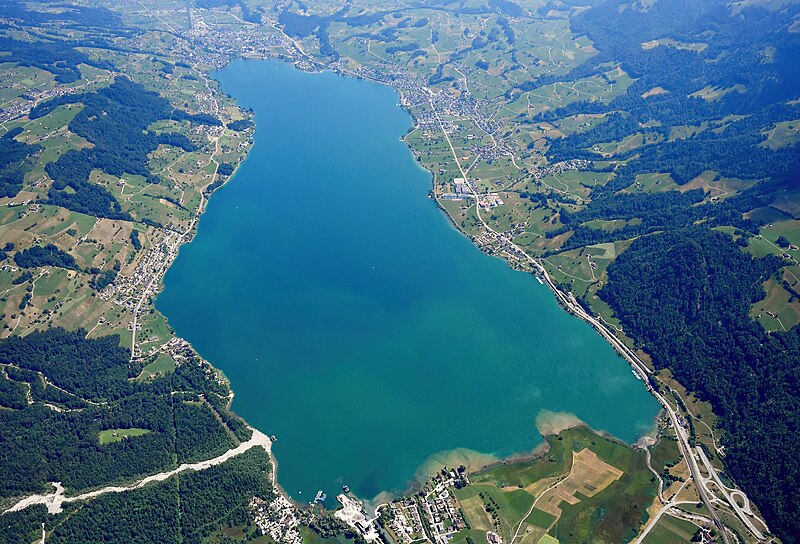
355	322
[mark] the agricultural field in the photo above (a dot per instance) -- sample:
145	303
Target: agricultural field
584	486
594	149
118	435
783	134
161	365
584	269
74	298
671	530
778	311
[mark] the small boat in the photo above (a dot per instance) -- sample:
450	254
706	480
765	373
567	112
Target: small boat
345	489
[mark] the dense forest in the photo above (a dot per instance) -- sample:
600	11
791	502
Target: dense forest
135	242
55	57
14	162
116	119
49	255
89	381
241	124
685	62
103	279
12	394
653	212
95	370
736	52
682	290
186	508
685	297
732	149
96	19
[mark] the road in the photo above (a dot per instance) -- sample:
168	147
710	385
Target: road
669	507
744	513
680	432
639	367
158	274
542	494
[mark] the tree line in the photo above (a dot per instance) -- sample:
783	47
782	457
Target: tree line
684	296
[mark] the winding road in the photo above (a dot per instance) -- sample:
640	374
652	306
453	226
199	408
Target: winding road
639	367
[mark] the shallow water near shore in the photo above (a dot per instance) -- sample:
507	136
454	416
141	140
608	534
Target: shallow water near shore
354	322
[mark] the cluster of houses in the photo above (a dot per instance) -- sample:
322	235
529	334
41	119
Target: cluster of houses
276	519
430	516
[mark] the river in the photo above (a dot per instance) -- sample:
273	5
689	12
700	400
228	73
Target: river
352	319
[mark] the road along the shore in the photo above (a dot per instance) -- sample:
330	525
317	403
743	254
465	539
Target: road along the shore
639	367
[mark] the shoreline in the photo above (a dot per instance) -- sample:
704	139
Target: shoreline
320	69
491	237
54	501
189	235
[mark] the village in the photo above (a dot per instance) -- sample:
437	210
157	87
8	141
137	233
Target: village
276	519
430	515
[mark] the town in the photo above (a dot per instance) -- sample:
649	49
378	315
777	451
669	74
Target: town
277	519
430	515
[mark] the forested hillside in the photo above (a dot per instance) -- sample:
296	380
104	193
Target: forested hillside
681	49
78	389
711	84
645	153
187	508
685	297
116	121
15	162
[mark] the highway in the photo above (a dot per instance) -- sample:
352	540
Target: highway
639	367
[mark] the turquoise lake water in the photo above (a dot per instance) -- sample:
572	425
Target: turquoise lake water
353	321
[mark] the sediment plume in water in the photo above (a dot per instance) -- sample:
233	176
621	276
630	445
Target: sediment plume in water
548	422
471	459
454	458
